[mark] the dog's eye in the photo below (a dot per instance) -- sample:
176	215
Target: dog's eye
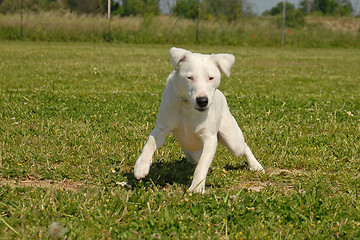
190	78
211	78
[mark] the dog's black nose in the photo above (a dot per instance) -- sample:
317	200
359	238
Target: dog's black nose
202	101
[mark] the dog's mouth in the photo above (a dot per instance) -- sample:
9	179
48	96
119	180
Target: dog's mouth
201	109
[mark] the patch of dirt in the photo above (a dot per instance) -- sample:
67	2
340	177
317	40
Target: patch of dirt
67	185
279	171
257	186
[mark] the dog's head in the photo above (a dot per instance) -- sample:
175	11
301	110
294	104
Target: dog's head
198	75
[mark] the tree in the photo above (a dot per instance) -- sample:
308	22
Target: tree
345	8
31	5
229	10
294	17
328	7
187	9
85	6
138	7
278	9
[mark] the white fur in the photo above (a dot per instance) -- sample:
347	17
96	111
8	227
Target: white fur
196	112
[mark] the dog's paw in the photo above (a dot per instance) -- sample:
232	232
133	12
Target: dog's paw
198	188
141	169
257	168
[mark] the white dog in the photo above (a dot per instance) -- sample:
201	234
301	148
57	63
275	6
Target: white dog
196	112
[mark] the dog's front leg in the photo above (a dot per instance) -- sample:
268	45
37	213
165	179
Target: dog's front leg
207	155
156	140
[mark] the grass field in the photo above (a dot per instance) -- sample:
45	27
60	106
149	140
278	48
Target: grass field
74	118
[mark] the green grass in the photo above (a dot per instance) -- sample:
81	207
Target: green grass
79	113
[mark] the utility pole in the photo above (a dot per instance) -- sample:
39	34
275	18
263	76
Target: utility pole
109	9
21	17
308	6
197	21
283	27
109	18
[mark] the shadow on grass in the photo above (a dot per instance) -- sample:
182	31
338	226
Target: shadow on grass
239	166
164	173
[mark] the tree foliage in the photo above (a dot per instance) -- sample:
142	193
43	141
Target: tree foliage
229	10
10	6
187	9
294	17
86	6
127	8
327	7
138	7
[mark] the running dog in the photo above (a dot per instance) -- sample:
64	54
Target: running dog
196	112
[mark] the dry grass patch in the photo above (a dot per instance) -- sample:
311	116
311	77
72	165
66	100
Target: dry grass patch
65	185
344	24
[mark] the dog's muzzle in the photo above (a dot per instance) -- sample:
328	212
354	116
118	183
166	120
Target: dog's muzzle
202	103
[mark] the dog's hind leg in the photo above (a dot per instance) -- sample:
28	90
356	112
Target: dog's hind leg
231	136
192	157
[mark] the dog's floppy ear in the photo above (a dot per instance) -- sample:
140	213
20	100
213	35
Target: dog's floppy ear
177	55
224	62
